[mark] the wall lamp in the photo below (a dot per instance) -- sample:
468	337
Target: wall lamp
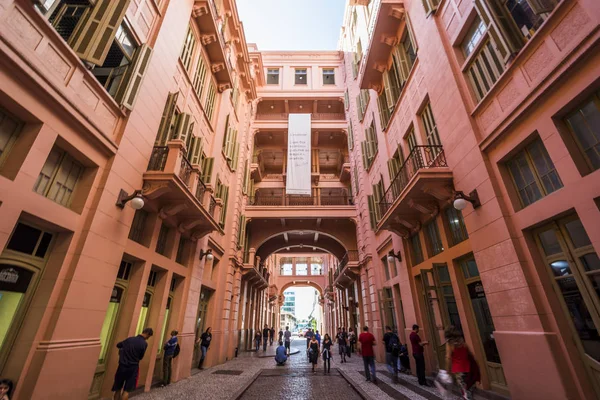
392	256
207	254
136	198
461	199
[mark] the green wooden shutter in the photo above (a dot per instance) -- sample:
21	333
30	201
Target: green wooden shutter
365	157
225	199
246	178
411	35
372	219
241	231
183	123
93	36
235	156
207	169
195	150
167	119
350	136
226	136
132	81
403	63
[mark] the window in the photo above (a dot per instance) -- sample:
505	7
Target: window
350	136
386	268
189	44
208	164
328	76
163	236
533	173
433	236
15	284
356	188
124	270
433	137
378	197
63	16
222	192
362	100
272	76
300	76
200	77
529	14
9	132
136	232
301	266
584	124
372	214
209	105
430	6
416	251
473	36
120	56
411	140
574	266
58	177
445	285
458	231
369	147
182	250
29	240
286	267
241	232
346	100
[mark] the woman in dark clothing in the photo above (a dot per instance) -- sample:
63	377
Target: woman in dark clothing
204	344
313	352
257	339
327	353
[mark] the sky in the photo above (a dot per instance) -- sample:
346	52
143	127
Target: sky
292	25
304	301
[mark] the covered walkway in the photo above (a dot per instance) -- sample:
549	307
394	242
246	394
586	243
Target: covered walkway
252	376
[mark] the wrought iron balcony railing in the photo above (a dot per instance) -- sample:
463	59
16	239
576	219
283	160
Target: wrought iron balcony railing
421	157
290	200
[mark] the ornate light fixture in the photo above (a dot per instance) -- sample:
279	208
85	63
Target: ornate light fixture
391	256
461	199
136	198
207	254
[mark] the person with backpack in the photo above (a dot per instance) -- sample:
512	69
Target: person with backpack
392	351
171	347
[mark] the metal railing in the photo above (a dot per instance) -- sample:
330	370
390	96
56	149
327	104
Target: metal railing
420	157
158	158
314	116
291	200
349	256
212	206
200	190
185	171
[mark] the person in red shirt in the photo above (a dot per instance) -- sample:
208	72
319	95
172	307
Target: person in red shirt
366	341
417	349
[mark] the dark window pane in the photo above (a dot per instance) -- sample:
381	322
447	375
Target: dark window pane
443	273
577	234
44	244
469	268
590	262
24	239
550	242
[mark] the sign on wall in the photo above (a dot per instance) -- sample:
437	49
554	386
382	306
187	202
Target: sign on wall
298	155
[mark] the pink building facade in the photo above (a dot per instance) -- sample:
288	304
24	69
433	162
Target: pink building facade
424	102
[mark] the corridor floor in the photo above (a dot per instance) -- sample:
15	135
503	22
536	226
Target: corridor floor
252	376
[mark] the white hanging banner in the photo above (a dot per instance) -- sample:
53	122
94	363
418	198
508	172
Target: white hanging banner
298	155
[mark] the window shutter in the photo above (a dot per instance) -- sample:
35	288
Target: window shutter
350	136
183	123
246	178
426	6
167	118
346	99
411	35
359	107
195	150
387	86
393	168
225	197
241	232
207	169
251	188
94	35
236	154
226	136
542	6
403	63
64	183
128	91
505	36
372	219
363	146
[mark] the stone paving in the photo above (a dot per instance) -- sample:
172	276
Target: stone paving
251	376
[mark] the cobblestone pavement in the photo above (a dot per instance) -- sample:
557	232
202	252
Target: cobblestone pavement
260	378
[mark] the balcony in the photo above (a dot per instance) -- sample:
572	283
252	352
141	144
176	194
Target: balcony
423	178
348	270
206	15
283	200
174	189
322	203
386	22
254	271
314	117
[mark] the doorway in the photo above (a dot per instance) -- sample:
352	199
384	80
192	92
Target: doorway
201	326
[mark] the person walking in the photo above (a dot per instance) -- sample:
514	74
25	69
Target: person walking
308	335
280	335
351	342
313	352
266	333
257	339
327	353
168	356
318	337
366	341
204	341
272	335
459	362
417	351
341	340
131	352
287	335
392	351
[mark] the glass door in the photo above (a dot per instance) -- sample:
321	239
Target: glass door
485	324
434	316
575	268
